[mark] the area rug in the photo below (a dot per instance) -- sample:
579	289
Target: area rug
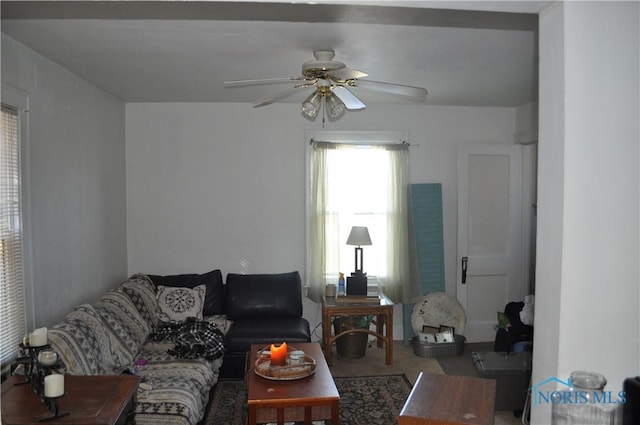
364	400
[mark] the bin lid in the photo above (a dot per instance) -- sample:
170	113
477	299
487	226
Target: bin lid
502	362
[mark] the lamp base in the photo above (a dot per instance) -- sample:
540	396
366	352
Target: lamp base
357	284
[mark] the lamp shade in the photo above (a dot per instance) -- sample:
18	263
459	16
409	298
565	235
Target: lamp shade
311	105
359	236
335	107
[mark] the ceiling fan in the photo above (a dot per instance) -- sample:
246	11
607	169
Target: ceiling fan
331	82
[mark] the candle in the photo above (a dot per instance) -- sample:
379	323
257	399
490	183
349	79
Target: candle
47	357
279	354
38	337
296	357
54	385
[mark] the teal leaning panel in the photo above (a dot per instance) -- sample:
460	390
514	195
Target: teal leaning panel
426	215
427	237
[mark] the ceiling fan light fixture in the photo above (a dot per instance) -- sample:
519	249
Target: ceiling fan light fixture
333	82
335	107
311	105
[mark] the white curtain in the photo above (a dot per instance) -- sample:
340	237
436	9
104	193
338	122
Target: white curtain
354	185
318	225
396	284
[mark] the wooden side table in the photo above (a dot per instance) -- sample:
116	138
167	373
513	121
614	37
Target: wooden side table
449	400
89	400
356	306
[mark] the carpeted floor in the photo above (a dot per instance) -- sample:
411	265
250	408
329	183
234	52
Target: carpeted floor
373	363
364	400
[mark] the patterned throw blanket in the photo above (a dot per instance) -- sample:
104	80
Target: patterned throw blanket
193	339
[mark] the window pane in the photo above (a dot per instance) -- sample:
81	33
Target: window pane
12	316
358	187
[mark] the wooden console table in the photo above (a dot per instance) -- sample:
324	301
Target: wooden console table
382	308
89	400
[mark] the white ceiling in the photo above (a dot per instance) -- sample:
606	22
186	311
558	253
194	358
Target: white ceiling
166	51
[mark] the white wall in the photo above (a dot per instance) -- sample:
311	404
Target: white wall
222	185
76	180
527	135
588	204
527	123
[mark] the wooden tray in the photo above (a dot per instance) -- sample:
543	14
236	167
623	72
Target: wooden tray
287	372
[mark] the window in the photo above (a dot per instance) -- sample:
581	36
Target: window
12	306
362	184
356	179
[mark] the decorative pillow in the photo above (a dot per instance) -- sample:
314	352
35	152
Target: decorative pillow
143	295
88	313
142	279
127	329
214	300
176	304
82	343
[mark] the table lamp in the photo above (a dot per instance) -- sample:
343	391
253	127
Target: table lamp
359	236
357	283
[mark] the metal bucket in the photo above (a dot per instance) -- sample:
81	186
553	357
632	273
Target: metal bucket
351	345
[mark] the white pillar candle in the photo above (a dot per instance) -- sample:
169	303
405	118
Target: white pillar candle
54	385
38	337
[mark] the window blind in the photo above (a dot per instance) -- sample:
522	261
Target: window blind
12	307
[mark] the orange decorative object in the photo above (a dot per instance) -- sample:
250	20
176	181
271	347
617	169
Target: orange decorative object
279	354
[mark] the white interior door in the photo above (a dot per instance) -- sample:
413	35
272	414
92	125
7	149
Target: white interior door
489	234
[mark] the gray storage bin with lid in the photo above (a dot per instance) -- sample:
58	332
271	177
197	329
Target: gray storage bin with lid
441	349
512	372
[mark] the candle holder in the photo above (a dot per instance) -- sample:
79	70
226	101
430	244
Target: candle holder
52	404
29	360
35	373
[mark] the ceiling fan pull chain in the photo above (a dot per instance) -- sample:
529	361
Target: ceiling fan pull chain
324	103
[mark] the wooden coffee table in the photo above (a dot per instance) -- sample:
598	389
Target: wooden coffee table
308	399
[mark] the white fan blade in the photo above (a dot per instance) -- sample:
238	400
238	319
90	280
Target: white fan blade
242	83
343	74
417	93
277	96
349	99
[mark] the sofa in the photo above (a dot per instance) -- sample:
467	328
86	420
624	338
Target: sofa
176	332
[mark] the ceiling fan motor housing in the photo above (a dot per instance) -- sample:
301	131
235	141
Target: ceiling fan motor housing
323	64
